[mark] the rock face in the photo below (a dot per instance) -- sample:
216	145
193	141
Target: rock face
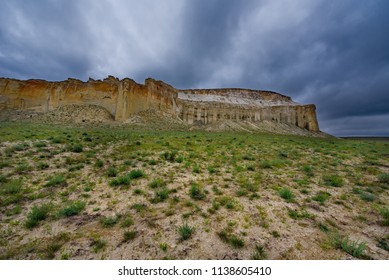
124	98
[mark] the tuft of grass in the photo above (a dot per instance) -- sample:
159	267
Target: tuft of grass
109	221
3	178
308	170
354	248
236	242
169	155
157	183
163	247
384	178
196	169
72	209
98	245
136	173
196	192
259	253
321	197
139	207
185	231
37	214
333	180
11	187
121	181
385	216
161	195
76	148
99	163
286	194
127	222
298	215
112	172
265	164
42	166
57	180
227	237
129	235
366	196
39	144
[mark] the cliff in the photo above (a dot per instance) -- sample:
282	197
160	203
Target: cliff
124	98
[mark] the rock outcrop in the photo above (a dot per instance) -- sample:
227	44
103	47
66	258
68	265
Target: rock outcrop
124	98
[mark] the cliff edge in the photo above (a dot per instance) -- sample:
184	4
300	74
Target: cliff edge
122	99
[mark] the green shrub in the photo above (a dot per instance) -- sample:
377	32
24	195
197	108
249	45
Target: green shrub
259	253
286	194
40	144
236	242
196	192
161	195
139	207
76	148
333	180
112	172
196	169
109	221
169	155
136	173
127	222
129	235
163	246
3	178
185	231
23	168
383	178
99	163
42	166
12	187
308	170
121	181
20	147
98	245
57	180
297	215
385	216
366	196
4	164
157	183
354	248
321	197
265	164
227	237
72	209
249	186
37	214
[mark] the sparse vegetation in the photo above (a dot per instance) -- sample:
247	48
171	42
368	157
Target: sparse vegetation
196	192
286	194
333	180
129	235
72	209
57	180
37	214
262	187
185	231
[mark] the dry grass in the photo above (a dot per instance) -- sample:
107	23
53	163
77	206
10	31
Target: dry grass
133	193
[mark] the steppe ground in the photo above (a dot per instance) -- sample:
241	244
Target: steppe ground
128	192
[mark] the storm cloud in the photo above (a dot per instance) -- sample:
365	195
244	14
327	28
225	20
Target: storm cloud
334	54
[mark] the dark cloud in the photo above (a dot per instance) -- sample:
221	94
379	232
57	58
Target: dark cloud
334	54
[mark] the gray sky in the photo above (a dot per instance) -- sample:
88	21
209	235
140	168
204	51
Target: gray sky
334	54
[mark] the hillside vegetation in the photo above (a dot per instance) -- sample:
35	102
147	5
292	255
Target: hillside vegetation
128	192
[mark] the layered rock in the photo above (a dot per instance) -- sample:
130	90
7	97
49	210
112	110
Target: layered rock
124	98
